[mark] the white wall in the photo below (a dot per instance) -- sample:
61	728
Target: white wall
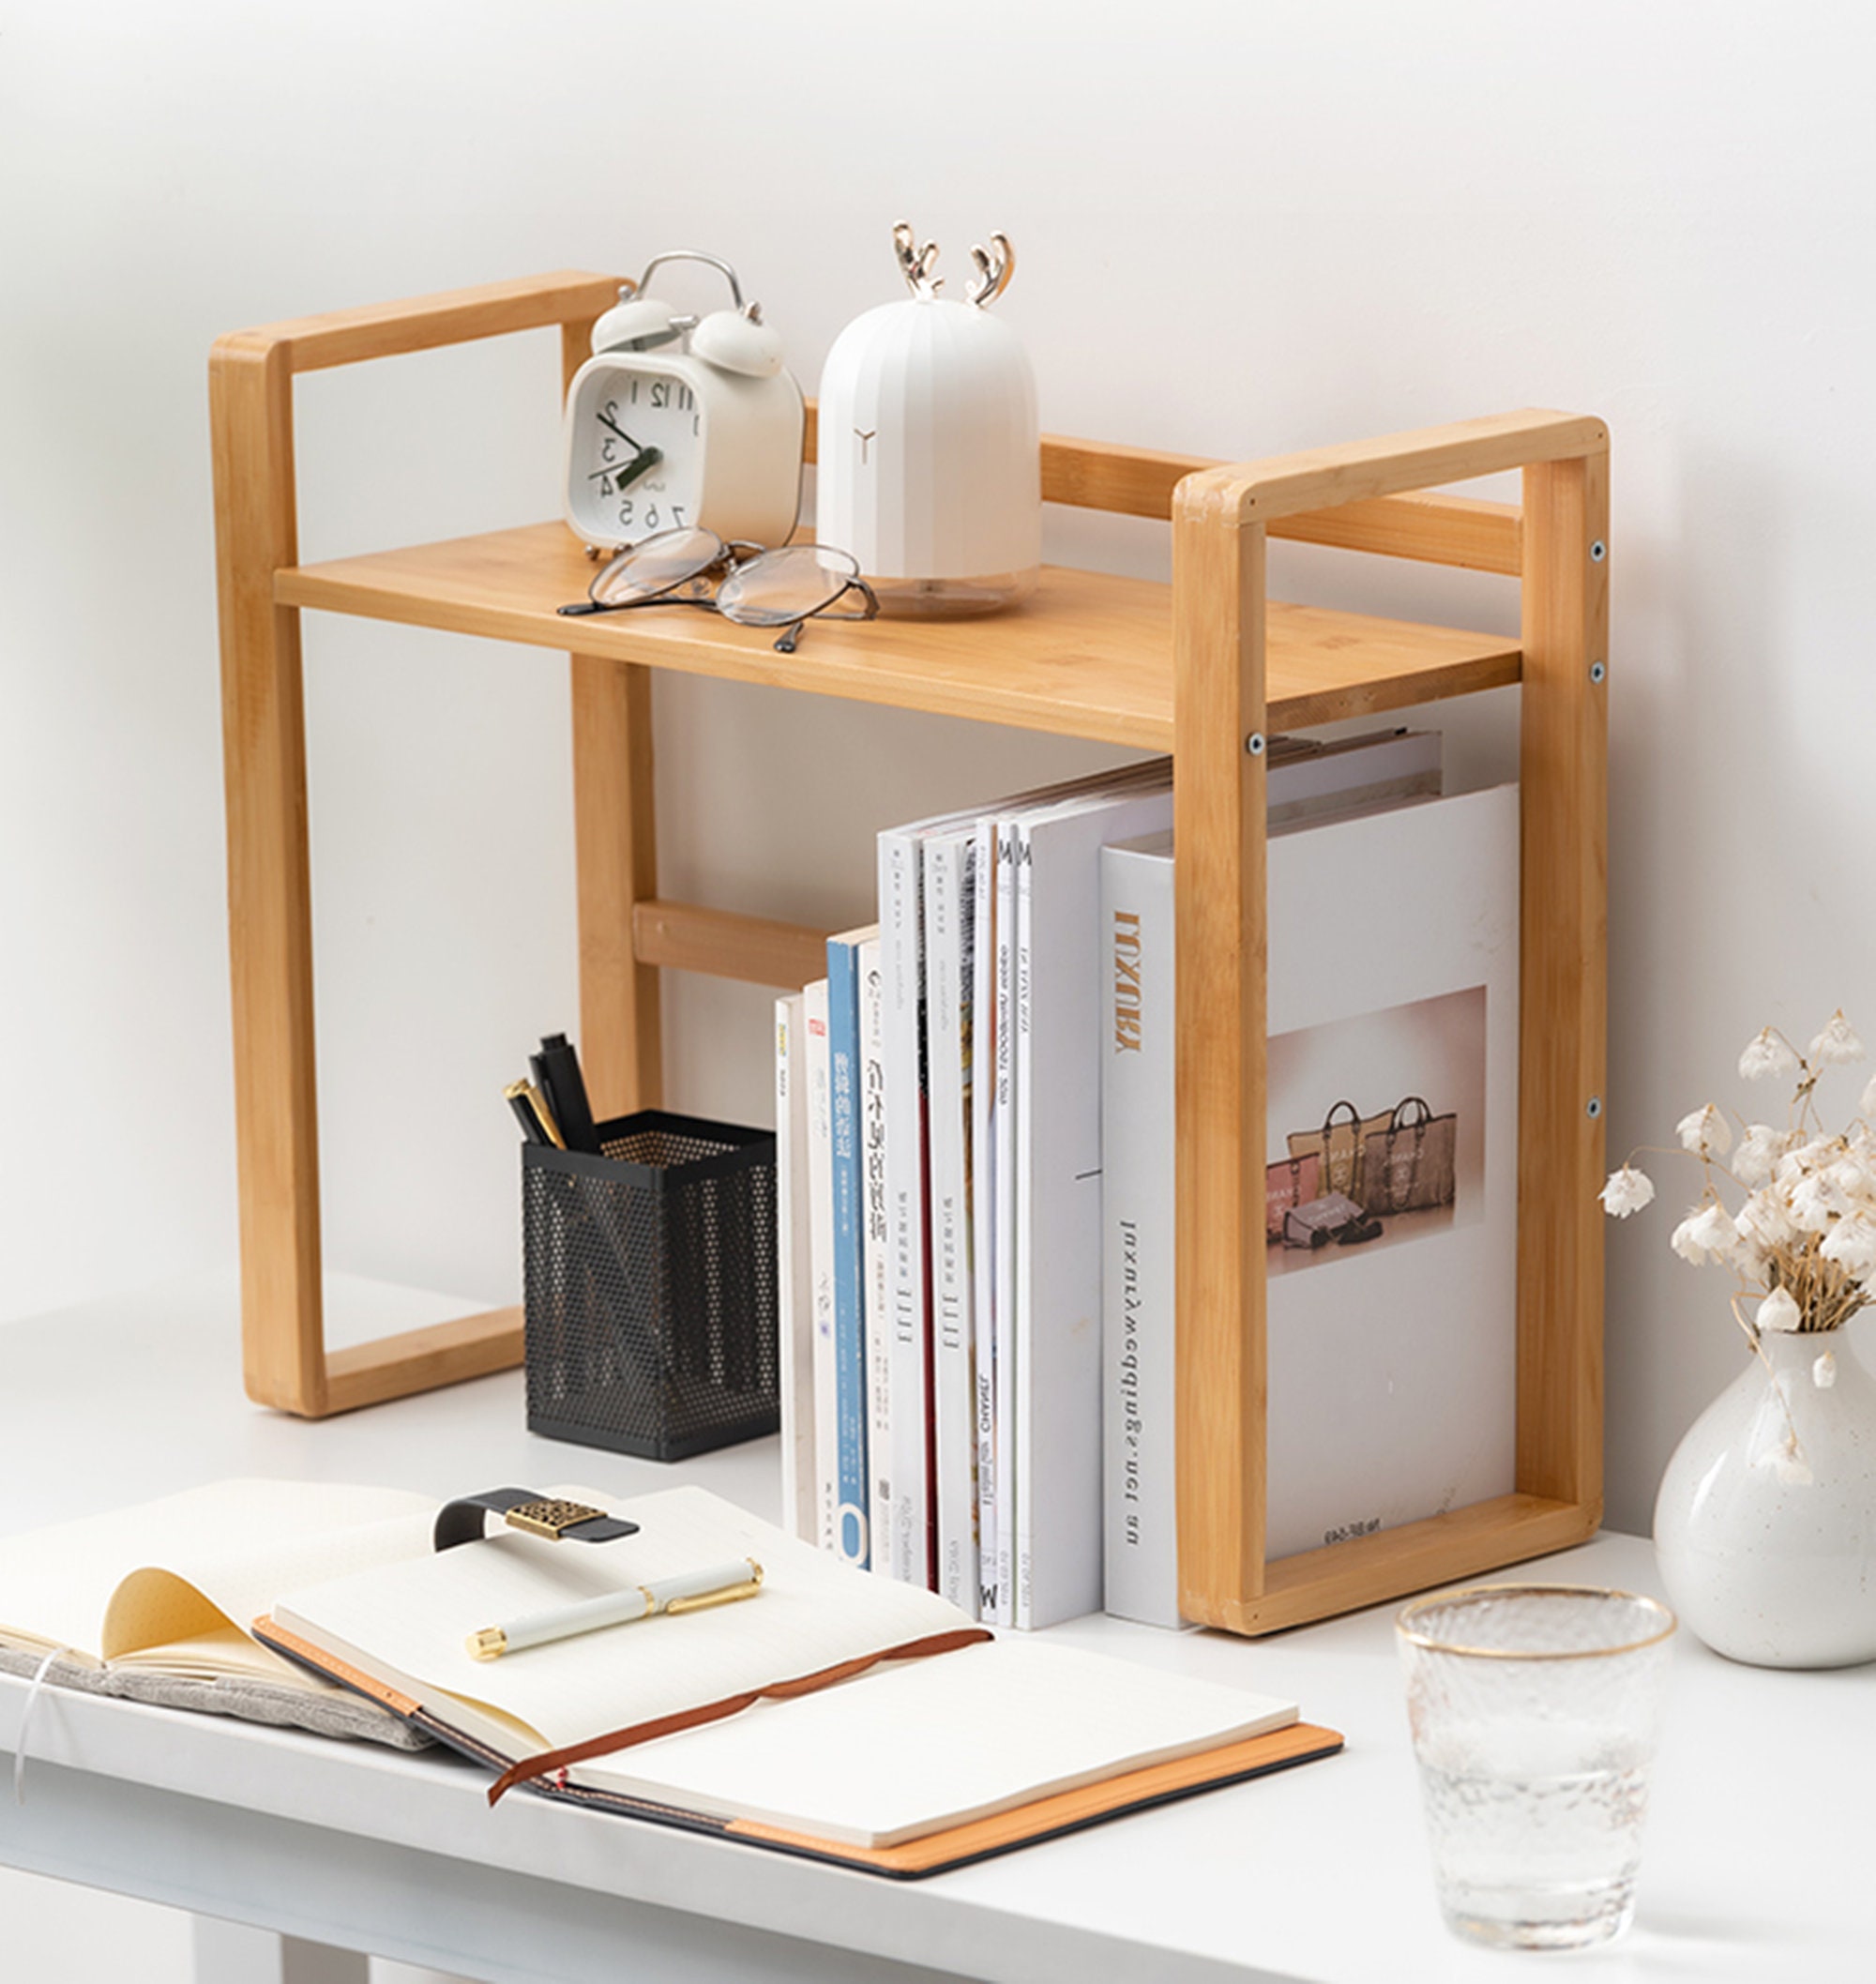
1242	227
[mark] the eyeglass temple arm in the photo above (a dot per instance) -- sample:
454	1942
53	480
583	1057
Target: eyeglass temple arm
789	636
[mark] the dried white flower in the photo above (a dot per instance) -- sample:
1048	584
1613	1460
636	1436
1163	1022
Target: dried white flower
1757	1158
1704	1132
1764	1225
1766	1054
1798	1165
1815	1202
1867	1105
1853	1176
1780	1311
1707	1234
1824	1373
1837	1043
1851	1243
1627	1192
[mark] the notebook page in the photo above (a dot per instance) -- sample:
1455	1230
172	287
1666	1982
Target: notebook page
922	1744
408	1623
56	1585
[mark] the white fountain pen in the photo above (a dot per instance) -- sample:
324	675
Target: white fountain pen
685	1591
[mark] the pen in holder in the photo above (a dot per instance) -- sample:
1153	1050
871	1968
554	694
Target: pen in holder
650	1281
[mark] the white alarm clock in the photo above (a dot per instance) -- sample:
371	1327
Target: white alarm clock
929	465
677	421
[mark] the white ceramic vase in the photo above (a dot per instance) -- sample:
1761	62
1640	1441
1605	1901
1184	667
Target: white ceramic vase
1765	1526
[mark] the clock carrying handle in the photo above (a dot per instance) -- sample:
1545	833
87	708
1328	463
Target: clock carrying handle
693	254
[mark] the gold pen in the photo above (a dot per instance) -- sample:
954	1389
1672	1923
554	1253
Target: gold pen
685	1591
527	1102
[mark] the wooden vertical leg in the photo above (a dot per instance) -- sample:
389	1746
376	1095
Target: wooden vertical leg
269	901
1219	805
615	844
1563	979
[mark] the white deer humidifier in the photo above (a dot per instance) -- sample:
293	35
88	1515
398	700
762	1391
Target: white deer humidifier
929	463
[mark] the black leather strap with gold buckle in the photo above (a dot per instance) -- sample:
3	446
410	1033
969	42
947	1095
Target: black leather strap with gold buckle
466	1520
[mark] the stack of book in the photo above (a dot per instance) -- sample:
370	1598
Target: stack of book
940	1101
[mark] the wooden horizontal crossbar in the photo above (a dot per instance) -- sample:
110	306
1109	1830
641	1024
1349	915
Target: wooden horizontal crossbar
1390	1564
685	936
419	324
1430	527
420	1359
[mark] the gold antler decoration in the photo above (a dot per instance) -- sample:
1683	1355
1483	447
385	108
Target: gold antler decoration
915	264
996	265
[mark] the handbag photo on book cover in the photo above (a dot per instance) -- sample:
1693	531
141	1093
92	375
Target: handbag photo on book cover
1340	1146
1408	1165
1289	1183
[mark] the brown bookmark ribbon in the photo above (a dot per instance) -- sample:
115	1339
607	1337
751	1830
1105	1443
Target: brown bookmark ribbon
549	1761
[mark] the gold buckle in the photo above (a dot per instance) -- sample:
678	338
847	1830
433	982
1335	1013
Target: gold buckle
549	1517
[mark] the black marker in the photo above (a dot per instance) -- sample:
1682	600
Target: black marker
556	1070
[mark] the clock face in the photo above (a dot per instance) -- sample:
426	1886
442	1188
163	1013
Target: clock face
636	456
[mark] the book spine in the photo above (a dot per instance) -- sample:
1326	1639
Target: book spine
827	1441
1022	1308
1004	1138
876	1258
1141	1567
947	976
795	1274
983	1203
850	1354
910	1553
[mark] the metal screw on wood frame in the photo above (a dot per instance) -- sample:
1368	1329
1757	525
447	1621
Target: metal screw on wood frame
1595	1106
1599	551
1598	672
1254	744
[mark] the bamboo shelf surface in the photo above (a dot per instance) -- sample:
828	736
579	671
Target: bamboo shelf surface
1090	654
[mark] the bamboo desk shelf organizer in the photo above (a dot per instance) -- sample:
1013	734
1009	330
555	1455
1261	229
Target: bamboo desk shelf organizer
1205	668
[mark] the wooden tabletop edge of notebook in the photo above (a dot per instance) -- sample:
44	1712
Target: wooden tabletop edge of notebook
1045	1818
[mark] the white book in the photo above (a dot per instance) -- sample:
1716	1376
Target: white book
983	1206
1417	992
906	1548
1140	1526
794	1271
876	1254
821	1257
914	1542
948	862
1392	1364
1060	1010
1350	774
1004	1267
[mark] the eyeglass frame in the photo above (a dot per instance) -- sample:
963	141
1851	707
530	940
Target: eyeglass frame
728	549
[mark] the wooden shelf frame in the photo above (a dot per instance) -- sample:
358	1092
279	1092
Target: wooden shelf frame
1200	668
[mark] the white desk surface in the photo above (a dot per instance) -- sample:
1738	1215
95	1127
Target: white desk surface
1763	1828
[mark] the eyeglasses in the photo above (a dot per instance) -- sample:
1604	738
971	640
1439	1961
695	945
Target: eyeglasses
742	581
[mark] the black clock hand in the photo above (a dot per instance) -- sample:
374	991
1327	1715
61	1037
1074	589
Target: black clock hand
605	419
645	459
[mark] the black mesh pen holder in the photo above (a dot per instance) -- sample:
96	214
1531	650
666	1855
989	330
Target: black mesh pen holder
650	1279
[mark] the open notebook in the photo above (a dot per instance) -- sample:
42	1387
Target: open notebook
150	1603
904	1765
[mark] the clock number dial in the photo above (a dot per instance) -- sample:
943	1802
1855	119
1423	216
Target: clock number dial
640	469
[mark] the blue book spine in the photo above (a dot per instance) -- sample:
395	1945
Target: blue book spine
849	1355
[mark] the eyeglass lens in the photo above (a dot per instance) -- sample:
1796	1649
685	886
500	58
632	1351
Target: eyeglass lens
781	586
656	565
